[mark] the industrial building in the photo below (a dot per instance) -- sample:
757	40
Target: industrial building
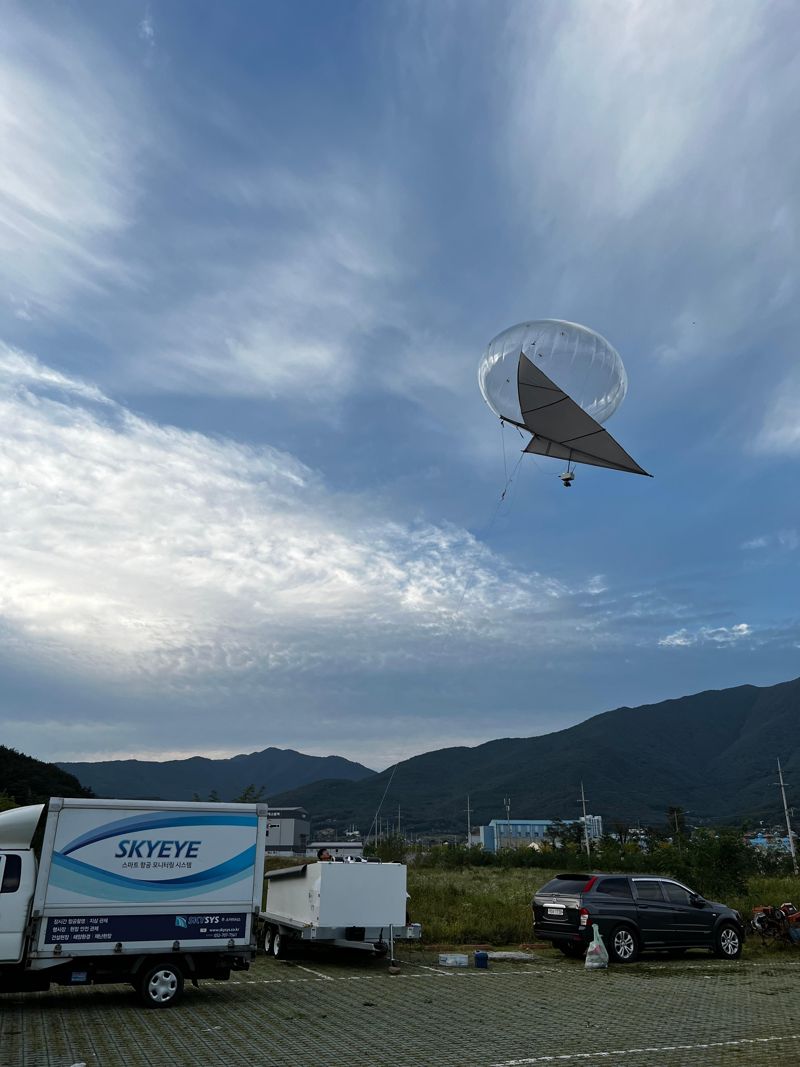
520	833
288	830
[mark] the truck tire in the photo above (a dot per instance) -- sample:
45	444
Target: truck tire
269	940
161	985
279	942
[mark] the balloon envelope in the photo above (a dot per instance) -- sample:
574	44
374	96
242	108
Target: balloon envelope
576	358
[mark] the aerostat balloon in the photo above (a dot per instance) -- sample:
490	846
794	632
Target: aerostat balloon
560	382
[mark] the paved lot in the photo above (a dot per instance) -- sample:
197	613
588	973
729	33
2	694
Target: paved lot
326	1011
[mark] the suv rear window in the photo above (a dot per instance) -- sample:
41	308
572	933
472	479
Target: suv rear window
614	887
566	883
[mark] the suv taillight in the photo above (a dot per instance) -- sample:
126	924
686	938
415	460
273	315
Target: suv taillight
584	916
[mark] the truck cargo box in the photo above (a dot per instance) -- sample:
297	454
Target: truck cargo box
147	875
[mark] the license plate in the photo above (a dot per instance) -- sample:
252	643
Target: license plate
557	913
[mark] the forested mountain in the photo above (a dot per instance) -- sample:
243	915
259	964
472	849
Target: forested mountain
30	781
275	769
712	753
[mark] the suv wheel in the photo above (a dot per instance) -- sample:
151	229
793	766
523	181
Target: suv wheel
728	942
623	945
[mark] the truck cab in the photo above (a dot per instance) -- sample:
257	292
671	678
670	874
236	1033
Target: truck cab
17	878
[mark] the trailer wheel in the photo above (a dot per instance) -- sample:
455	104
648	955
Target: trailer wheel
161	986
280	944
269	940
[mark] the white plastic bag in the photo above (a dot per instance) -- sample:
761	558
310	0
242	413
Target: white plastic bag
596	953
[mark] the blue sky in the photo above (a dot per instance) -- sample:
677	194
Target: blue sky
251	256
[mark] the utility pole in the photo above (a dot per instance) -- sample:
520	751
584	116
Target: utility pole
398	818
469	823
786	813
585	826
507	806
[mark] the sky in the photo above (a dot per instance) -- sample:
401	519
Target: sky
250	257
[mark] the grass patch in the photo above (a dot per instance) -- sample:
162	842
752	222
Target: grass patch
474	905
489	905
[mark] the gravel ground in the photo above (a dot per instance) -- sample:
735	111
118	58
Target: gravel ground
326	1010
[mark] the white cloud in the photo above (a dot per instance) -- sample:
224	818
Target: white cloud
147	29
133	548
755	543
714	635
780	428
788	539
652	138
66	173
297	315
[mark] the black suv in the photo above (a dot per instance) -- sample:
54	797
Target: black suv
634	913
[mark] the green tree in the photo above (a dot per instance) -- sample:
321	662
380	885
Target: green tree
6	802
250	795
390	849
556	832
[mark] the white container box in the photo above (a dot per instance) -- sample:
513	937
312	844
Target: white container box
339	895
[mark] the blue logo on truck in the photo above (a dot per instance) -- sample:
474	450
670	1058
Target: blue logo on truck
162	850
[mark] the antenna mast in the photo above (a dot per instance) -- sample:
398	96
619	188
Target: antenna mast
788	824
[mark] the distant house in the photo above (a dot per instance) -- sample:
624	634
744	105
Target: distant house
521	833
771	840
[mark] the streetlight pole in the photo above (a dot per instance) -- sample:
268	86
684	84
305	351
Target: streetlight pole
788	824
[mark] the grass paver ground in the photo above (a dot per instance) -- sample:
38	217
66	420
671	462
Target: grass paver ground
328	1010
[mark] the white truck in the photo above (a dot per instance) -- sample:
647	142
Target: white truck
126	891
360	905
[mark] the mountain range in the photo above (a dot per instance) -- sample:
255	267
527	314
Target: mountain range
713	754
275	769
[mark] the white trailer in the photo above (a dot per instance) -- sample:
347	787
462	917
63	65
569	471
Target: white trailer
360	904
146	893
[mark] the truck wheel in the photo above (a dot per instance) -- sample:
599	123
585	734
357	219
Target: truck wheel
269	940
161	986
280	945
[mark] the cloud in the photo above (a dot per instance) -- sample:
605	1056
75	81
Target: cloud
147	29
67	182
755	542
139	549
707	635
650	139
779	434
298	314
788	539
